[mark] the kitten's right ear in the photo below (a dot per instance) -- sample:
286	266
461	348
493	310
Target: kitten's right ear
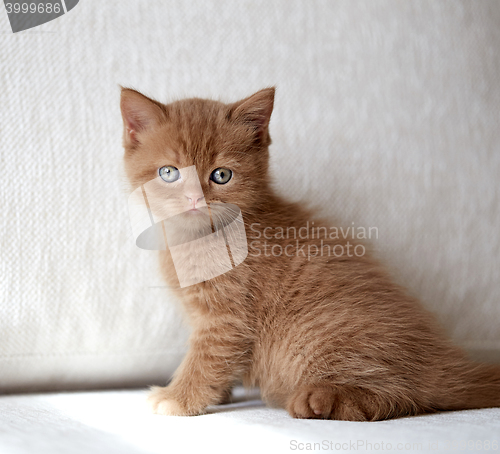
139	114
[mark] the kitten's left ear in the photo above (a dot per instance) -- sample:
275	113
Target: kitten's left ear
255	111
139	114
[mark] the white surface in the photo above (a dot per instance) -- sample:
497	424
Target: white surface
118	422
389	108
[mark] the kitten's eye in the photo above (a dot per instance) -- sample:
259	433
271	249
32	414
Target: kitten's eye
169	173
221	176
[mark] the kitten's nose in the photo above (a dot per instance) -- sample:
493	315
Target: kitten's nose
194	198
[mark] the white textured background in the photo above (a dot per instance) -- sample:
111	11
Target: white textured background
387	114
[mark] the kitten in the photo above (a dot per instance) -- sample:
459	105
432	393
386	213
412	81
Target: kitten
327	337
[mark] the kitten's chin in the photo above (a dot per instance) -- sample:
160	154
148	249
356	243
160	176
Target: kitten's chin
188	226
194	221
194	212
195	216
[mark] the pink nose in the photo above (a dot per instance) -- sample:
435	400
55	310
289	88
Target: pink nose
194	199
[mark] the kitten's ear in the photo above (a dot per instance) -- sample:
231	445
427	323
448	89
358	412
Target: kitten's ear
256	111
139	114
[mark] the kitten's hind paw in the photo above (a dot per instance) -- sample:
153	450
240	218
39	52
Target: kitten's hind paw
311	402
163	402
328	402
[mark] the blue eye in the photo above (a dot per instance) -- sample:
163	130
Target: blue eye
221	176
169	173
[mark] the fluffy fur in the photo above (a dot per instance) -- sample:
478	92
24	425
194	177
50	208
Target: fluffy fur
330	337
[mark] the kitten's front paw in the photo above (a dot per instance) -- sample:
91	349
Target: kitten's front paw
162	401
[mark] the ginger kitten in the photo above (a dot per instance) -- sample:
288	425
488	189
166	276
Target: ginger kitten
324	337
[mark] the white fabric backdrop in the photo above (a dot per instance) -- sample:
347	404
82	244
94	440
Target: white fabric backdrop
392	107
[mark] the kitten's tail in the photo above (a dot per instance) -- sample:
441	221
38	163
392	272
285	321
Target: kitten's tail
473	385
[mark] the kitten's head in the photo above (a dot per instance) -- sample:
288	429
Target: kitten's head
226	143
